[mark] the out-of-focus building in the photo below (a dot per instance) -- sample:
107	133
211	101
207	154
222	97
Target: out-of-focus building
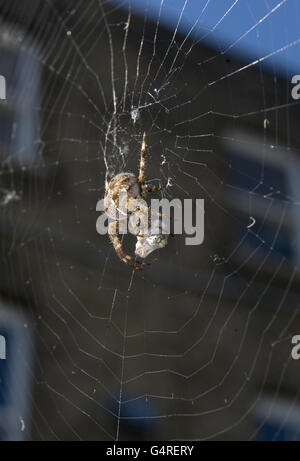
198	345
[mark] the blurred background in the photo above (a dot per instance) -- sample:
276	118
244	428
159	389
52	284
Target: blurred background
198	346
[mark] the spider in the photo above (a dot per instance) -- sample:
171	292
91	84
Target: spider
137	211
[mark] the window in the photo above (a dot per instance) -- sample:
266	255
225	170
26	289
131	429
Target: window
15	373
263	190
19	121
277	419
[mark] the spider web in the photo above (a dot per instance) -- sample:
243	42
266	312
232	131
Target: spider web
189	348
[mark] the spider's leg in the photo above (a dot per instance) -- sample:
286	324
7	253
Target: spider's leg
112	233
153	189
106	181
148	189
142	163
